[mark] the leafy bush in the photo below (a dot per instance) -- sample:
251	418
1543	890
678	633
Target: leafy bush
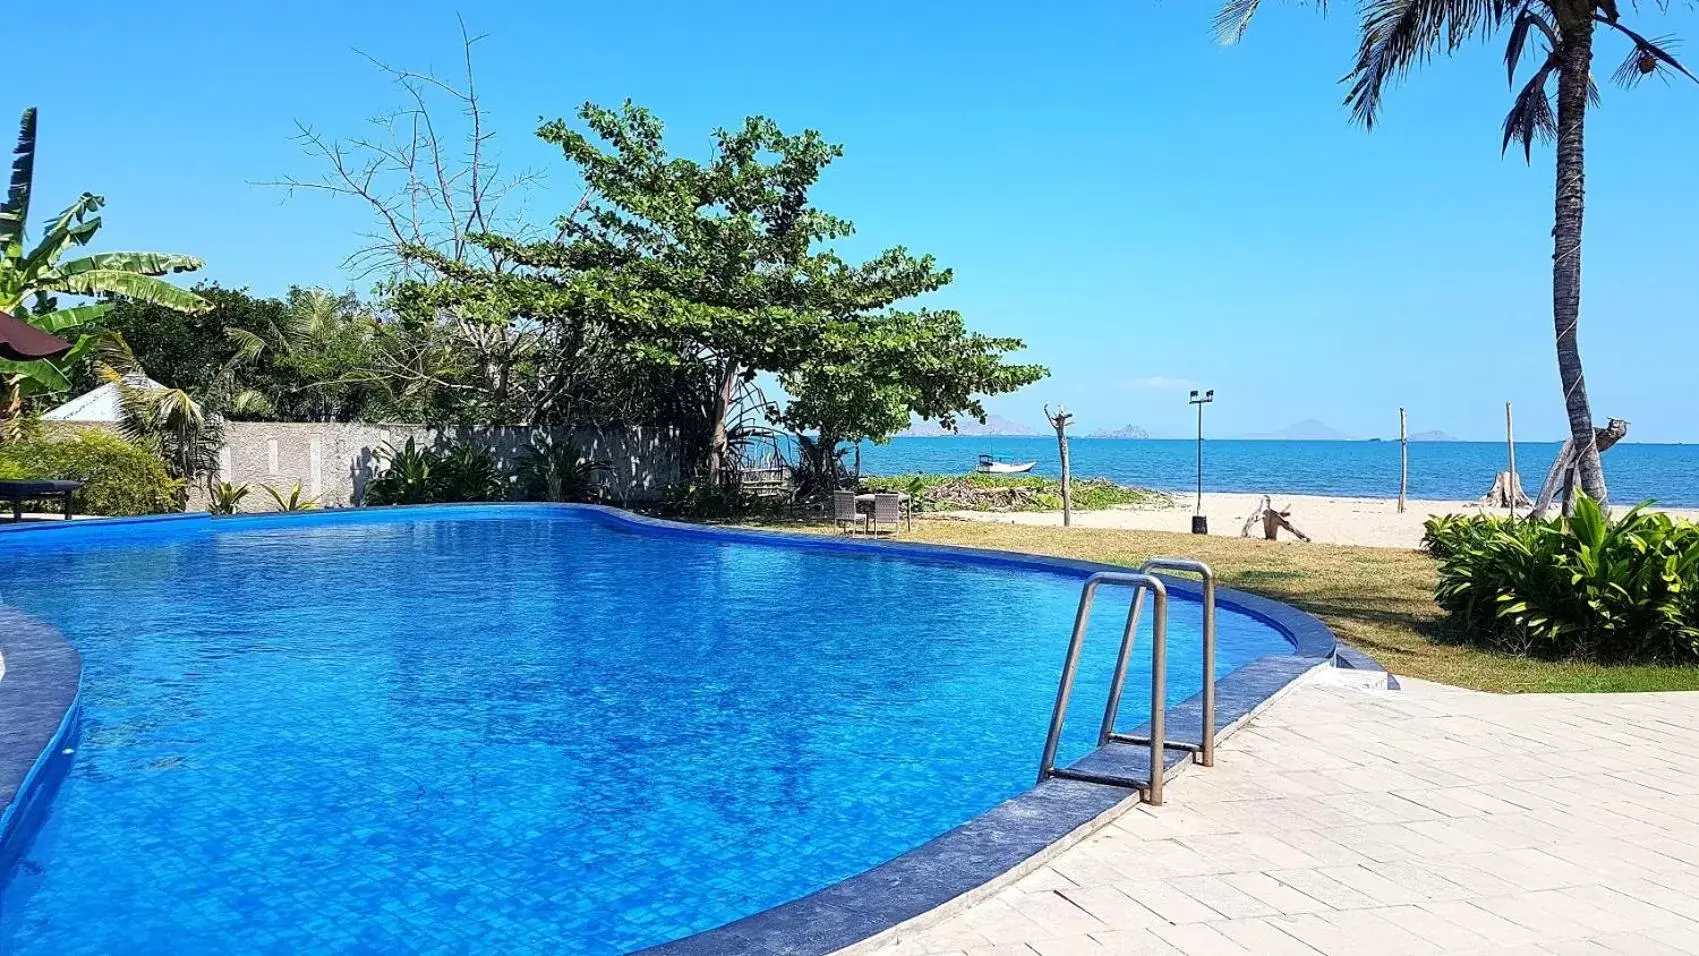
557	472
119	477
1594	589
977	492
702	500
417	476
466	472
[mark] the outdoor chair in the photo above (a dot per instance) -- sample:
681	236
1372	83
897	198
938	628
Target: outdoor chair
887	509
844	511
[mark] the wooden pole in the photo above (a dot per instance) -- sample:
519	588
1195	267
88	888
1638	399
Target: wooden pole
1510	449
1403	460
1060	421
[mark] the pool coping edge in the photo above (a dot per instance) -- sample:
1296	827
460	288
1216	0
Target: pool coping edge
877	905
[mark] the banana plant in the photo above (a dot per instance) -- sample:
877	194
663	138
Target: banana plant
32	279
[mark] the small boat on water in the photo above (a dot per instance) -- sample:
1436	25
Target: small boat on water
991	466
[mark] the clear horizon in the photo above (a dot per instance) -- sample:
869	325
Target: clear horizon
1151	211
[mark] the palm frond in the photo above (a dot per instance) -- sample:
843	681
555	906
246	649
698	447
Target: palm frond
1646	57
249	344
252	401
1527	21
1531	116
16	209
1397	35
1232	20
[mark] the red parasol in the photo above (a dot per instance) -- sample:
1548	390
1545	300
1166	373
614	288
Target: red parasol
22	342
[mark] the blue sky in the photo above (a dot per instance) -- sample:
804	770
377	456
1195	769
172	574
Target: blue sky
1146	208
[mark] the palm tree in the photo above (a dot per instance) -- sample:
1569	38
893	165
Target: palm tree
1398	35
32	280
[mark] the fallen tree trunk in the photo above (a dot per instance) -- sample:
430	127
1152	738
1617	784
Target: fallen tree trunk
1562	473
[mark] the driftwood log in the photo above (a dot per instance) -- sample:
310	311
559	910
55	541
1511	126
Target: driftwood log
1563	470
1506	492
1272	521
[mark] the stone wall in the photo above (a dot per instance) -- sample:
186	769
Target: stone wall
333	461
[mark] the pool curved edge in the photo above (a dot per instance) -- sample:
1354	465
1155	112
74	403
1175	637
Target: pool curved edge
38	717
40	680
973	860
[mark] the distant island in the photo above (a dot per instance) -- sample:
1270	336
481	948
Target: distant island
1435	435
1307	430
994	425
1125	431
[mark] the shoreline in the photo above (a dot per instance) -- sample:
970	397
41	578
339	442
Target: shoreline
1327	519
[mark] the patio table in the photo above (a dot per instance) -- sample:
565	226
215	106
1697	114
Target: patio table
17	491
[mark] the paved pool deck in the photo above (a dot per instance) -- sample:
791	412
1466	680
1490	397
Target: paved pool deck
1352	819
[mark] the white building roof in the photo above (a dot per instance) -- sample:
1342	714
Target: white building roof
100	405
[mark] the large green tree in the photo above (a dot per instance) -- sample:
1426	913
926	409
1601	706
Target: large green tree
32	279
726	261
1398	35
870	375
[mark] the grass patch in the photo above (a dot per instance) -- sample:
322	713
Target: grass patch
1379	600
977	492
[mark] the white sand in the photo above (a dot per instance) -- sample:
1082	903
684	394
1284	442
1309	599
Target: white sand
1373	522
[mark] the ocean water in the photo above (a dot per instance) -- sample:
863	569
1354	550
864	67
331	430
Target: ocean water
1667	474
518	730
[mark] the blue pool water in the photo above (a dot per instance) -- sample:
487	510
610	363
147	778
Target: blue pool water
519	729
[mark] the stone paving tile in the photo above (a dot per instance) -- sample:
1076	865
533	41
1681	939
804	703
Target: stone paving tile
1347	819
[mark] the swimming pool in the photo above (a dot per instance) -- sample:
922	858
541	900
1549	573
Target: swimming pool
522	728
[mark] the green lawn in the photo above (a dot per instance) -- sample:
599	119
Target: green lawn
1378	600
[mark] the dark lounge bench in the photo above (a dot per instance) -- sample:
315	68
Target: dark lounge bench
18	491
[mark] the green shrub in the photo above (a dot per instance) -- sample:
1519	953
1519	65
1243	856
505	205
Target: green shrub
557	472
1611	591
119	477
418	476
977	492
467	472
703	501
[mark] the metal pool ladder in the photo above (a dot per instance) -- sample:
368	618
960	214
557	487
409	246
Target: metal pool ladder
1140	581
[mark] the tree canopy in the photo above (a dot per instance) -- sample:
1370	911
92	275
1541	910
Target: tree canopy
709	273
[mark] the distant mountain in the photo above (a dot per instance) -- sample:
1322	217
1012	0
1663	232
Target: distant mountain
1307	430
1431	436
1125	431
994	425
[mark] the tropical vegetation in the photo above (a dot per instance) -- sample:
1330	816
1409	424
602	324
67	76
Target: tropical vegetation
1589	588
1555	37
977	492
119	477
33	278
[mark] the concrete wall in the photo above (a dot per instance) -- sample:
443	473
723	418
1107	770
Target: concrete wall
334	460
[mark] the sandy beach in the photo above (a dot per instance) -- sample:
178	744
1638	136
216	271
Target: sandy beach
1371	522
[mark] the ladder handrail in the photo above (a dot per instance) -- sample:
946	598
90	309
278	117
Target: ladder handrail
1206	745
1140	581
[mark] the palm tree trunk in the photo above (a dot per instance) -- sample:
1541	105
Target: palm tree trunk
1573	83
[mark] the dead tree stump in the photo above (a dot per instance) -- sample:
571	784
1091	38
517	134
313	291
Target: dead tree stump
1506	492
1272	521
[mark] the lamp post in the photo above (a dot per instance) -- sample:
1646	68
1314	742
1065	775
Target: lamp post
1200	521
